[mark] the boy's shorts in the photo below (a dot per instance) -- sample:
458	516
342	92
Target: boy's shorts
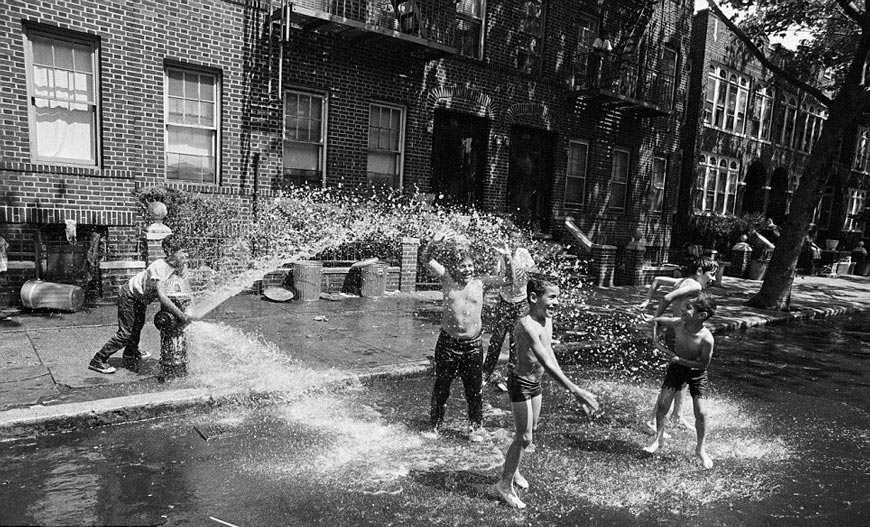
520	390
679	375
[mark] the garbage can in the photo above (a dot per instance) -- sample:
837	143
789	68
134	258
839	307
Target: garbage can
307	275
374	280
36	294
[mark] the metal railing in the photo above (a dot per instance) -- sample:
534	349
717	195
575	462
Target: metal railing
623	74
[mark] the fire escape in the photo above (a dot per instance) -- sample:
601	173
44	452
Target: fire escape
424	27
624	78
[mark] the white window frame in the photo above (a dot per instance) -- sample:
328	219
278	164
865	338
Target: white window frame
64	99
822	214
658	180
856	201
861	162
376	178
619	180
789	121
532	48
726	100
318	142
762	113
577	169
169	122
717	184
814	121
473	14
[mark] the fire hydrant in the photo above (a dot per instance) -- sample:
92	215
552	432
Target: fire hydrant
173	348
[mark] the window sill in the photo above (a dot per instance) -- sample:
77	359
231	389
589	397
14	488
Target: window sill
66	170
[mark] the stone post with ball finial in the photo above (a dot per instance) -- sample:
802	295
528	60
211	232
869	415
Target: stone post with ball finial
157	231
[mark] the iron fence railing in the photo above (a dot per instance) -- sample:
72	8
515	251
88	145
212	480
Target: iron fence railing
623	74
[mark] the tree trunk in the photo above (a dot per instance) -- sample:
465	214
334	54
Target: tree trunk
777	283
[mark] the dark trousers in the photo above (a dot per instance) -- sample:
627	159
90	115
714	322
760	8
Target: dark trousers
506	316
131	320
457	357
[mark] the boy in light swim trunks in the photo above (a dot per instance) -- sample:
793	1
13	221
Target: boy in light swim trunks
693	350
459	349
534	337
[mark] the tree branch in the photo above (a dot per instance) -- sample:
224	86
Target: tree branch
852	12
758	54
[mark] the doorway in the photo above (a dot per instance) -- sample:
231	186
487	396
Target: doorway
777	203
753	195
459	158
530	177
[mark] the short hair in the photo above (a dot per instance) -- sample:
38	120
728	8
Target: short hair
705	303
705	263
171	245
538	284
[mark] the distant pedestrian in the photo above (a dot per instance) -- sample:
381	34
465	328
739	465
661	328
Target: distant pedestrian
133	299
459	350
3	267
687	364
534	336
511	306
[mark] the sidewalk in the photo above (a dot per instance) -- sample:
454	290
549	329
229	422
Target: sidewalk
45	384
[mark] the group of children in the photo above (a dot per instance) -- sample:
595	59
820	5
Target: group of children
528	302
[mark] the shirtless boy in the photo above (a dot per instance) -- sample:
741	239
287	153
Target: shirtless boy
693	350
459	348
534	338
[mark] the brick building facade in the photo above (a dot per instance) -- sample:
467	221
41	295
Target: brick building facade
509	105
748	135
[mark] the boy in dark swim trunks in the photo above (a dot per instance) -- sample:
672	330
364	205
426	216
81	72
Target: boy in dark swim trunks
534	337
693	350
459	349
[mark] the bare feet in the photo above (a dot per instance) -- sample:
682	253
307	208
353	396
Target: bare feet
509	496
520	481
652	426
681	421
654	446
643	304
705	459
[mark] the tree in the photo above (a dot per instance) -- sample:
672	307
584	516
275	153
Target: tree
841	45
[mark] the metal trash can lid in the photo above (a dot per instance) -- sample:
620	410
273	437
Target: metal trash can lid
365	263
278	294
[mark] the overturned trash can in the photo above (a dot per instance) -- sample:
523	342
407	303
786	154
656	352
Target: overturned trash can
173	348
373	280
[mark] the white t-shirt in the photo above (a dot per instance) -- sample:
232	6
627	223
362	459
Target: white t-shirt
3	257
143	284
521	262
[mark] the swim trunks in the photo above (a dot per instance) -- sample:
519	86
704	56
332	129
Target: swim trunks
678	375
453	347
520	389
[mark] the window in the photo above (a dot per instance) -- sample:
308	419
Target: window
822	216
62	88
814	117
575	181
468	37
862	151
668	76
304	138
659	171
191	125
716	187
789	120
856	201
583	68
619	180
762	106
386	130
529	36
727	98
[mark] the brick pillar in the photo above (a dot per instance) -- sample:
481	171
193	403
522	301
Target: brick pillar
408	269
604	263
632	269
741	253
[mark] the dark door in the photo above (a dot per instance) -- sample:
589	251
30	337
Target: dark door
777	202
753	195
459	158
530	179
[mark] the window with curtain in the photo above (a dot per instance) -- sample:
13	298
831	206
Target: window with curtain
575	180
468	34
619	180
63	89
386	139
727	99
304	138
530	36
762	113
856	200
192	110
861	162
716	186
659	171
